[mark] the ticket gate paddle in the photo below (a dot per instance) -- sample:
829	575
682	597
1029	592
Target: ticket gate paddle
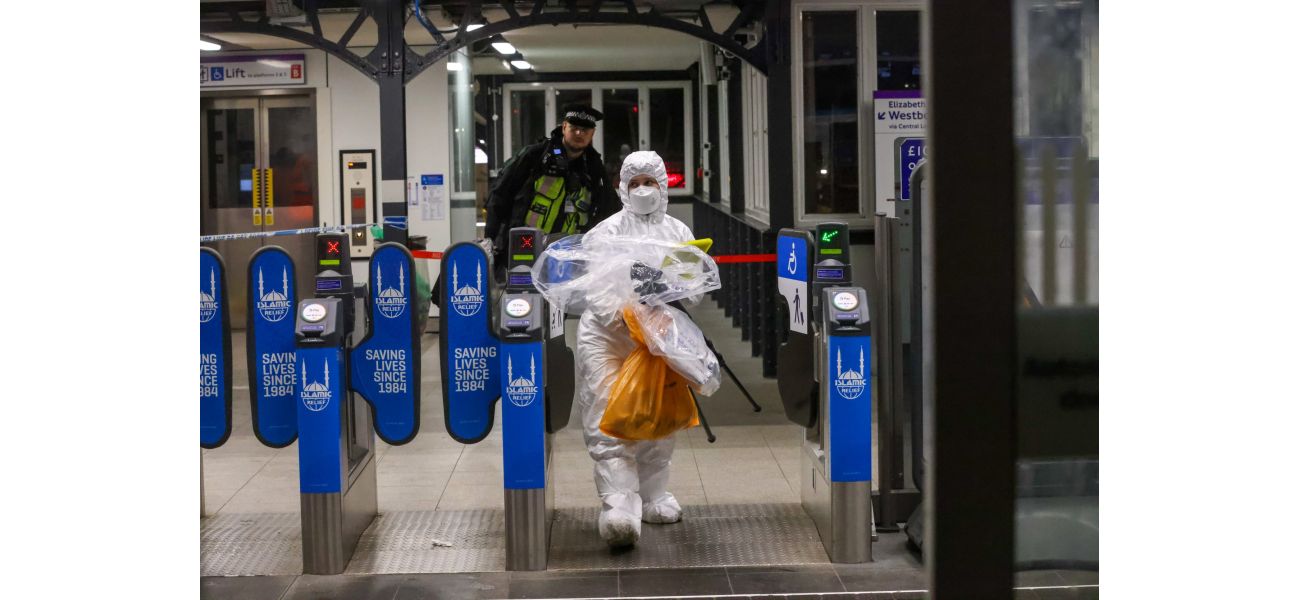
514	357
271	348
825	384
214	351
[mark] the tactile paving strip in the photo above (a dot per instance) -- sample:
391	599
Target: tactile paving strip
404	542
708	536
251	544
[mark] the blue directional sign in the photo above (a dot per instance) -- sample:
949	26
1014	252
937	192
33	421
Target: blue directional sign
386	365
849	409
214	351
911	152
792	246
272	296
319	391
471	372
523	416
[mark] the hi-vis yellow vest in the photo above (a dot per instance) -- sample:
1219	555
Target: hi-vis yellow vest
548	197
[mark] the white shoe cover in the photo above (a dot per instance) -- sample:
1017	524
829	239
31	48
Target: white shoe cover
618	526
664	509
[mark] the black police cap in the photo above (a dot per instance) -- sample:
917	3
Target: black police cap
582	115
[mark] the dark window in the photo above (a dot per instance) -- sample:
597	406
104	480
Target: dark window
830	112
898	50
668	132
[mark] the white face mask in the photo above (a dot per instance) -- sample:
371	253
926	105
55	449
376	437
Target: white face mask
643	200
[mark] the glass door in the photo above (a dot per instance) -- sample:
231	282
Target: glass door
258	173
229	179
289	202
621	128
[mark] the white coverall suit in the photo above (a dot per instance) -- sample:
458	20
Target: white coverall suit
631	477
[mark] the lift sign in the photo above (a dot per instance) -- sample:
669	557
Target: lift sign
471	381
214	351
385	367
272	360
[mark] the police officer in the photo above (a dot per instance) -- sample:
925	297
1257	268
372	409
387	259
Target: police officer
557	185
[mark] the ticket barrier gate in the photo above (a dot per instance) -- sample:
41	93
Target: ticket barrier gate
824	378
514	351
353	340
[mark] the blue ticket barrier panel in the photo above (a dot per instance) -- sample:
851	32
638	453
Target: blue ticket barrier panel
336	464
523	329
272	357
386	365
507	359
214	351
836	478
471	381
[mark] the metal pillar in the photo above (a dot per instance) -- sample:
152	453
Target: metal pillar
780	131
971	492
390	16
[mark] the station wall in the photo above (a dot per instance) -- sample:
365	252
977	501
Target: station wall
347	118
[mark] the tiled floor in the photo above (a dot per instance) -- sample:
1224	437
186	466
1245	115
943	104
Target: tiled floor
754	460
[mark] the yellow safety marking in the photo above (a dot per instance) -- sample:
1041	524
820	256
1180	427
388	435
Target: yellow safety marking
257	196
270	197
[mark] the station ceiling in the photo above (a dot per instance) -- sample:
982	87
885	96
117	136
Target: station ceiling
550	49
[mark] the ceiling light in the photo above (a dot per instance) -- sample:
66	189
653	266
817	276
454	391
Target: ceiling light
504	47
521	64
208	46
453	66
474	26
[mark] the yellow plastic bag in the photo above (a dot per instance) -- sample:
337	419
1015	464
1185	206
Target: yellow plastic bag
648	400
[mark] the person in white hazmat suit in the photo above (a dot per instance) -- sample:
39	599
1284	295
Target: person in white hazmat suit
631	477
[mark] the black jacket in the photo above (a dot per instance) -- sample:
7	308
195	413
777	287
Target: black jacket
508	202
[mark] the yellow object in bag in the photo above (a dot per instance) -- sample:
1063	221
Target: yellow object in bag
648	400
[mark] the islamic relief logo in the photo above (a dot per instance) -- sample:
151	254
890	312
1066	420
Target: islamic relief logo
521	391
469	299
208	299
315	395
851	383
273	305
391	302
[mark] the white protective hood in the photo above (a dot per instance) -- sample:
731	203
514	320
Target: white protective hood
644	162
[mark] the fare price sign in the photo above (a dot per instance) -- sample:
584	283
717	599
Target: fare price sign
214	351
272	358
386	367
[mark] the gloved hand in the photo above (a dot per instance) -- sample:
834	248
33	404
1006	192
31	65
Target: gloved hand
648	277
